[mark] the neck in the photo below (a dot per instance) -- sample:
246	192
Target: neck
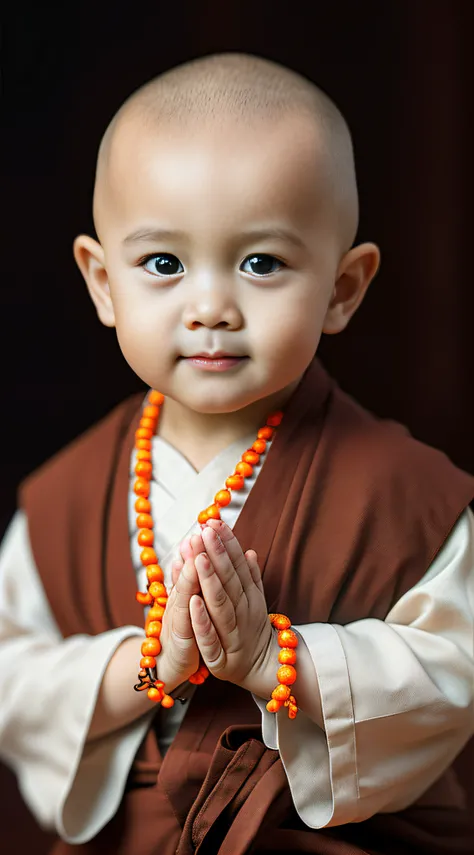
201	436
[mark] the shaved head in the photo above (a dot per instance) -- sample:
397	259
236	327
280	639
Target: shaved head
216	90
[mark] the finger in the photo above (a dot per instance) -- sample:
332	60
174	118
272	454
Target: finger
207	639
218	603
176	568
197	545
252	561
185	550
190	547
186	586
222	564
234	551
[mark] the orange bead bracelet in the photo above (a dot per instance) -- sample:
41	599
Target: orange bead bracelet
286	674
156	594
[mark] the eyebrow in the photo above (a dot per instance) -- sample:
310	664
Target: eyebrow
143	235
271	232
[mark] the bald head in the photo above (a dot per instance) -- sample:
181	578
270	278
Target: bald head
214	90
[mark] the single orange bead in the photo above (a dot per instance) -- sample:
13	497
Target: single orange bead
143	444
167	702
196	679
161	601
280	621
143	455
150	412
281	693
204	671
158	684
213	512
154	573
157	589
286	674
148	424
203	518
145	521
156	613
265	433
155	694
142	505
148	556
144	598
275	419
273	705
222	498
143	469
146	537
292	711
154	629
143	433
235	482
251	457
244	469
147	662
156	398
142	488
287	638
287	656
151	647
259	446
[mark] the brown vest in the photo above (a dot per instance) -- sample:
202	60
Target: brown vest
347	514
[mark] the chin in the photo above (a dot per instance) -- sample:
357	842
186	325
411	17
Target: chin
218	405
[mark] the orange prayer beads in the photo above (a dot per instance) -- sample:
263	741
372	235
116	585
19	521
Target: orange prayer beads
286	674
156	595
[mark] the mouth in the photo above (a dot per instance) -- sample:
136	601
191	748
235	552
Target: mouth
218	361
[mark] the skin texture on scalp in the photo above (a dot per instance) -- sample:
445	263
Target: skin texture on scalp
252	92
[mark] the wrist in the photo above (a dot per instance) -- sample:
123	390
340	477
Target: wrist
172	673
168	674
262	681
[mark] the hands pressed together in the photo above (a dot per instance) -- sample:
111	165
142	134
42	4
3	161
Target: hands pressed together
217	609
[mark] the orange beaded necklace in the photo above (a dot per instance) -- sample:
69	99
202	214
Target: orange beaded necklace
156	594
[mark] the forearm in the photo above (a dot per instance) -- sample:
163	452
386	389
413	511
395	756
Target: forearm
118	704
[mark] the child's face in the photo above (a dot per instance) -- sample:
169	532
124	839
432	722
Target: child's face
219	240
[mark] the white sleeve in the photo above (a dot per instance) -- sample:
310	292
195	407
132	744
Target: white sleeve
397	698
48	691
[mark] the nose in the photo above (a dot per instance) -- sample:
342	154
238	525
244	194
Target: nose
211	302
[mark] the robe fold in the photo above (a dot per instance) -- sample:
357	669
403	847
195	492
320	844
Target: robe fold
346	515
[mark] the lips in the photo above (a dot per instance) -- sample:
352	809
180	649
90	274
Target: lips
216	362
219	354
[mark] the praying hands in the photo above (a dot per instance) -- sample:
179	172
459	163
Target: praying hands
227	609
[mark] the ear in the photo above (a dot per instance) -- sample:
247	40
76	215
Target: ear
89	257
355	273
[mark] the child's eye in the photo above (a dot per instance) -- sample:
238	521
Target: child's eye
162	264
261	265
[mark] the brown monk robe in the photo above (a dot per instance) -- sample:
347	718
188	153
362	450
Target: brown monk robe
346	515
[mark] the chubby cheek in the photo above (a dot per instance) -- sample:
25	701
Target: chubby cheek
145	341
287	335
